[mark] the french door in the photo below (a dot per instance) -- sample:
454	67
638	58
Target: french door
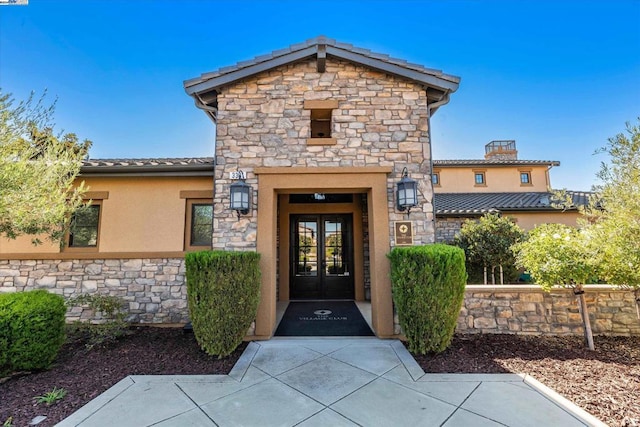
321	257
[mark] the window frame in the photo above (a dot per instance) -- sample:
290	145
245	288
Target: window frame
321	108
483	173
93	248
526	172
435	179
188	246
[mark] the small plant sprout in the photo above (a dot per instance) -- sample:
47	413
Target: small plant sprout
52	396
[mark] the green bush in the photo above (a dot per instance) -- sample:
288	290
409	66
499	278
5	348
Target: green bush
5	329
428	289
34	333
112	325
223	290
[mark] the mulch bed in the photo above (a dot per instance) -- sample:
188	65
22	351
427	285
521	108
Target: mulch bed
85	374
604	382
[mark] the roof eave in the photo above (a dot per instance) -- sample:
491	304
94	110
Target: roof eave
495	164
147	170
444	83
449	84
200	85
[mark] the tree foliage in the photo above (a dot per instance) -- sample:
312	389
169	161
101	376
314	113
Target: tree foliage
614	218
38	169
488	240
556	254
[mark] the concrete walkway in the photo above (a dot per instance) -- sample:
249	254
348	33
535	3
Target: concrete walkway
329	382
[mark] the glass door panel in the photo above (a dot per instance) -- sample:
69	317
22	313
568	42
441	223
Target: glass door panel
306	250
334	260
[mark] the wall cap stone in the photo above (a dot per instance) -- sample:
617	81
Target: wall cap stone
536	288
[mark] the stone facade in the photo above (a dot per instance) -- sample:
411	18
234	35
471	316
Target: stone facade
154	289
447	228
526	309
381	120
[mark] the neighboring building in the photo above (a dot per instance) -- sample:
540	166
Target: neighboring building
498	183
314	138
145	213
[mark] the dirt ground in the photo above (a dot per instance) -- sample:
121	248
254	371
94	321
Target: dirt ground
85	374
605	382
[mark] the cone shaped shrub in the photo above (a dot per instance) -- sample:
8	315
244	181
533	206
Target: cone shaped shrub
32	333
428	290
223	290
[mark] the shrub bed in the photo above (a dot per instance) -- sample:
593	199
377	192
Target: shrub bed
428	290
223	294
31	330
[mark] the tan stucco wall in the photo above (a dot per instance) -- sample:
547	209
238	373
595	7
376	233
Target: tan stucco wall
142	215
23	244
447	227
498	179
528	221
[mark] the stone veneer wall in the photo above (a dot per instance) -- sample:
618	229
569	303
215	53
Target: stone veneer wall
154	289
381	120
447	228
526	309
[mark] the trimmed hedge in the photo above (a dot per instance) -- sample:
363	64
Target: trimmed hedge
223	290
32	330
428	290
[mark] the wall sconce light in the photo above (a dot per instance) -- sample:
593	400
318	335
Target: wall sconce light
240	193
406	192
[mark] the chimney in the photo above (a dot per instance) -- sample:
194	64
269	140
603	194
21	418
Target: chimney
501	150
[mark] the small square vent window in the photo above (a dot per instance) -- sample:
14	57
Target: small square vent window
321	123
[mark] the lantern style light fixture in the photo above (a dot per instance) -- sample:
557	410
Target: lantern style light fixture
406	192
240	193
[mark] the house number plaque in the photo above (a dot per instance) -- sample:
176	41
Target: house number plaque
404	233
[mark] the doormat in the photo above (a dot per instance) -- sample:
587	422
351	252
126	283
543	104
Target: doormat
323	319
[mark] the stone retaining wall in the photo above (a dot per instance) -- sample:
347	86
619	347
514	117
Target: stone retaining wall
154	288
526	309
156	293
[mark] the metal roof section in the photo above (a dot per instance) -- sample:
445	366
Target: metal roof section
195	166
493	162
476	204
201	88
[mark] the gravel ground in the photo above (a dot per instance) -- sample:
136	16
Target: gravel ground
605	382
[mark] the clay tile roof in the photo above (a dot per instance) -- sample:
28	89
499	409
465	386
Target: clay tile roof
472	204
493	162
179	161
169	166
225	75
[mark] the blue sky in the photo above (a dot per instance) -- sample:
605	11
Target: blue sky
559	77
